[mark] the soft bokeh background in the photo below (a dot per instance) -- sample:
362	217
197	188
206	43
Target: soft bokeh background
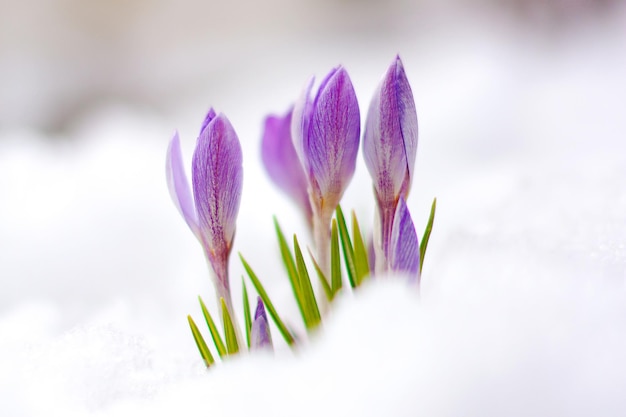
59	58
522	127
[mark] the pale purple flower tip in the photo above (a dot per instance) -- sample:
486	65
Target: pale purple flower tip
260	336
207	119
217	177
390	139
178	185
404	250
326	132
281	161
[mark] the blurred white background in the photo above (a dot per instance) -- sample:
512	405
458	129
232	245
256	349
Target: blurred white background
58	58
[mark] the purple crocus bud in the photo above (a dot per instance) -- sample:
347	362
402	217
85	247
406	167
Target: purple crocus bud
404	248
282	163
325	130
260	337
390	146
217	176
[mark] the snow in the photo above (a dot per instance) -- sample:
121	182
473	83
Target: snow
523	305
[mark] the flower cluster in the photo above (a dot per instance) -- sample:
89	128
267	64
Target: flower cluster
309	153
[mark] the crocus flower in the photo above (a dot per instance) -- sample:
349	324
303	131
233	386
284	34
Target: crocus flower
260	336
282	163
389	148
404	248
325	129
217	176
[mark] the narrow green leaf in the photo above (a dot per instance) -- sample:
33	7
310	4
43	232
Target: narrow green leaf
292	272
215	334
201	344
229	330
310	306
246	311
335	262
429	228
268	303
346	244
361	262
325	285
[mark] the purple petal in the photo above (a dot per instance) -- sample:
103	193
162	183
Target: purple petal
404	248
332	142
178	185
260	336
300	122
281	161
390	139
327	78
217	176
207	119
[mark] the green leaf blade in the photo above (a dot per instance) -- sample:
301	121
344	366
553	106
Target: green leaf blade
246	312
268	303
335	262
229	330
429	228
310	306
346	244
325	285
361	261
215	334
292	271
205	353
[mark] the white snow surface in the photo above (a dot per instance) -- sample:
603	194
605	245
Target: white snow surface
522	310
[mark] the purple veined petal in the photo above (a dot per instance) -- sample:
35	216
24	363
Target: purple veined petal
390	139
260	336
217	177
281	161
327	79
301	116
332	142
408	116
404	250
178	185
207	119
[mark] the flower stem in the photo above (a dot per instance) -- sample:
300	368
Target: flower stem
321	236
222	290
385	220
